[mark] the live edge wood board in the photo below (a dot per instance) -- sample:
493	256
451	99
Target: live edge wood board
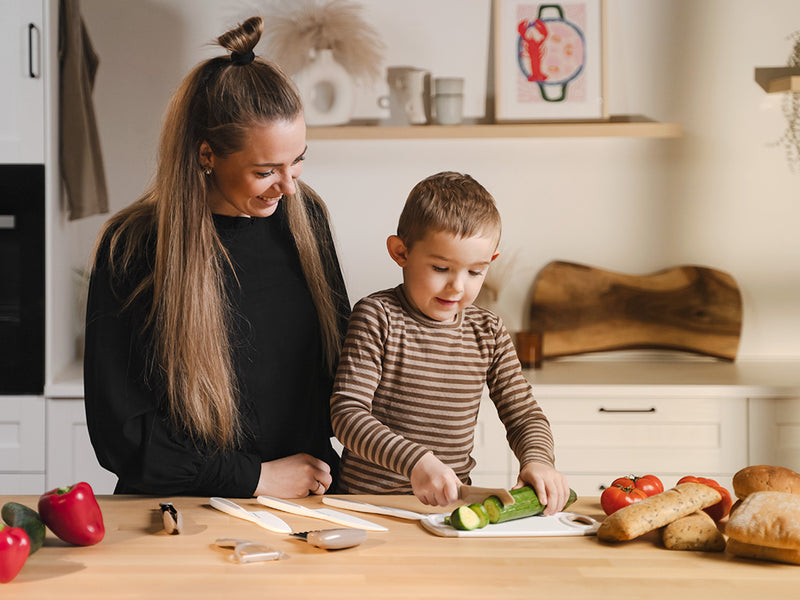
578	309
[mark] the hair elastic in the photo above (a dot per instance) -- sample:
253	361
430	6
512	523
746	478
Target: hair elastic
242	59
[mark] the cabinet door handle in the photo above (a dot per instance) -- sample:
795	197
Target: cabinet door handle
652	409
34	66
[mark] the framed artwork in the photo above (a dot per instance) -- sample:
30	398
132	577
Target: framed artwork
548	60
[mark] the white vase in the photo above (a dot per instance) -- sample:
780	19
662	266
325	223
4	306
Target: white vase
327	91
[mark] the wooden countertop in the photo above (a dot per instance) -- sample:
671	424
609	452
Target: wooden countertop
137	559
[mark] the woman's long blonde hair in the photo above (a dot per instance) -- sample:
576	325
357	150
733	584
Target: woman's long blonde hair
188	324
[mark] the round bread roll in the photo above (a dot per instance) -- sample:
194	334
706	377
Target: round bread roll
765	478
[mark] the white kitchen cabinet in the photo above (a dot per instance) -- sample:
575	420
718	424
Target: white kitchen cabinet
22	101
774	428
70	456
22	443
612	418
598	439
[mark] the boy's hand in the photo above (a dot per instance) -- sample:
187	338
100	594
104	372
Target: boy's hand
550	485
433	482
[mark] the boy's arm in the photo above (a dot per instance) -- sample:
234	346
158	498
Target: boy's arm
527	428
357	378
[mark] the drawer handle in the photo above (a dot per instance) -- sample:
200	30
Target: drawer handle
652	409
34	49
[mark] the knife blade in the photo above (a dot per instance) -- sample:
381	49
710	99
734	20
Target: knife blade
325	514
377	509
260	517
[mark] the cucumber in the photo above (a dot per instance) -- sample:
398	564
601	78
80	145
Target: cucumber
18	515
526	504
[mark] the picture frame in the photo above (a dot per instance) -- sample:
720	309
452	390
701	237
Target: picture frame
549	60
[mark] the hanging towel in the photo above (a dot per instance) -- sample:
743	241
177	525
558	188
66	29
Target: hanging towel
82	173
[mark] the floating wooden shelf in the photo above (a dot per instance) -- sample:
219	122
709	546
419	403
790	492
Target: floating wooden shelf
778	79
616	126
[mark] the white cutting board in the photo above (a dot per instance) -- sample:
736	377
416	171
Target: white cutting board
559	524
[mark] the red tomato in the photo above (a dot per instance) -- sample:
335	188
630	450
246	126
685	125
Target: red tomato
649	484
721	509
613	498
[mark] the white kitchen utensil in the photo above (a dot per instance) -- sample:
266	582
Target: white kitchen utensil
359	506
245	551
333	539
559	524
320	513
261	517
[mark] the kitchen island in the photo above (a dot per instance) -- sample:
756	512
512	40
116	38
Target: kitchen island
138	559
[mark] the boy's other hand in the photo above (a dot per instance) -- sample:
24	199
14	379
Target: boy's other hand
433	482
550	485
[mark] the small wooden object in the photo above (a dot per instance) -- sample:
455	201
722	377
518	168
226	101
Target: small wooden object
529	349
578	309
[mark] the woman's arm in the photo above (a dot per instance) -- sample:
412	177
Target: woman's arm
131	436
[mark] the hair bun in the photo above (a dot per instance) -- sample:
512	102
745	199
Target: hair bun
241	40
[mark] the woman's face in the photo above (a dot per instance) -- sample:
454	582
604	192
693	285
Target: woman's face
252	181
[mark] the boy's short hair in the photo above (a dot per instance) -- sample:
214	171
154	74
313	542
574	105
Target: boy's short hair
450	202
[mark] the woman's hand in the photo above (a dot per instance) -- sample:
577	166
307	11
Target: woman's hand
550	485
294	476
433	482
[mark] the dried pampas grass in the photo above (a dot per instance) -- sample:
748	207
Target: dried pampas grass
294	31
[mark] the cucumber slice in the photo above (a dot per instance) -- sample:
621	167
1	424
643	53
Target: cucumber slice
464	518
481	512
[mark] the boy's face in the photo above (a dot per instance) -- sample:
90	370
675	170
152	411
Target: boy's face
442	273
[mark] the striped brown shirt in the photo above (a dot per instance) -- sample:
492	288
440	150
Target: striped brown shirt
407	384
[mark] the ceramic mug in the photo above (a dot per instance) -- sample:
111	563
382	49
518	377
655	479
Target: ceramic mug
409	96
448	103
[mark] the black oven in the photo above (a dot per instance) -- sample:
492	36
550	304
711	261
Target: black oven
22	235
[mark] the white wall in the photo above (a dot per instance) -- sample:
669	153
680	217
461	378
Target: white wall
720	196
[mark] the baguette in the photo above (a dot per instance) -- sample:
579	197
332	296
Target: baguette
656	511
767	519
760	478
743	549
696	531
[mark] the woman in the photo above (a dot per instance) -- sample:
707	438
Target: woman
216	306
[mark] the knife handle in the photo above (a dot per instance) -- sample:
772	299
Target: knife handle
334	539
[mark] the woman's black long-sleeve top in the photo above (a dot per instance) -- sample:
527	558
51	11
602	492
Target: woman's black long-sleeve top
284	385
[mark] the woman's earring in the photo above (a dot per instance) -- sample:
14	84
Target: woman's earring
208	170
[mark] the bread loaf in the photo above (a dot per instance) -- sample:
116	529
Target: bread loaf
767	519
761	478
656	511
745	550
697	531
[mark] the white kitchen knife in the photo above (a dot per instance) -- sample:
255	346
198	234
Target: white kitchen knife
325	514
359	506
260	517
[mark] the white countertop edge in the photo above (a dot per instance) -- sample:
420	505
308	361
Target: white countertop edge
746	378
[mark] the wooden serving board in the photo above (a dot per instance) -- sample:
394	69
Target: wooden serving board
557	525
578	308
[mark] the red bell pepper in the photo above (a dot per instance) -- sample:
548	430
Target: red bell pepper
72	513
14	549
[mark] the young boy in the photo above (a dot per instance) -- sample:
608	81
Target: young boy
416	359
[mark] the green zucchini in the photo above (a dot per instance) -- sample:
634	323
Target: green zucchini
526	504
18	515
